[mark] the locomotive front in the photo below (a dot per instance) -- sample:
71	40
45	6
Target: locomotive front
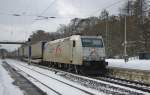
93	51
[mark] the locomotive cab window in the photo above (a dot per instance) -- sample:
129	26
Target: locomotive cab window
91	42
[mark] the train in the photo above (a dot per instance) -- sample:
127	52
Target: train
79	54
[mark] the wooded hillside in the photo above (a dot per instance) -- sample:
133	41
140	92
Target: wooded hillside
112	28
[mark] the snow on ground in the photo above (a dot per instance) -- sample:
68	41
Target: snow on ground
6	86
131	64
63	88
60	87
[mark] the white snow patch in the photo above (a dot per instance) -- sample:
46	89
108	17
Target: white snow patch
131	64
58	86
6	86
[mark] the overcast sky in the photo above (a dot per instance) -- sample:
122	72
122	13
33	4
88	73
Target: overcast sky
18	28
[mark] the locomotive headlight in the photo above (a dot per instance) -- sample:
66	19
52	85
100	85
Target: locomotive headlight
85	58
102	58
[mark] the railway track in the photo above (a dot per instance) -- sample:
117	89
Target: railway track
132	84
32	78
97	84
102	86
22	82
38	80
123	82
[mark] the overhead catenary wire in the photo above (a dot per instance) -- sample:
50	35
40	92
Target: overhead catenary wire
17	14
107	7
39	15
47	7
45	10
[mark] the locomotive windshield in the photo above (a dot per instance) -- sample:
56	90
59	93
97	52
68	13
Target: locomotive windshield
91	42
